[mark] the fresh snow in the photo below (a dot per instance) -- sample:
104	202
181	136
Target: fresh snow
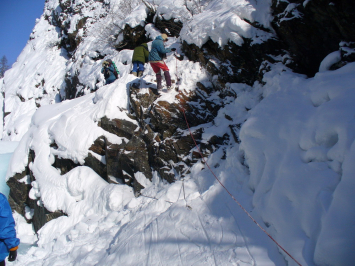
329	60
228	21
292	171
6	150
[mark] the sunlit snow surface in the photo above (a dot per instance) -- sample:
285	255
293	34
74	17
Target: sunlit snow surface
6	150
293	170
297	142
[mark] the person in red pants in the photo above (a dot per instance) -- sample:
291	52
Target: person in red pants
156	55
8	241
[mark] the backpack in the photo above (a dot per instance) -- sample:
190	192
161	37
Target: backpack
115	72
107	71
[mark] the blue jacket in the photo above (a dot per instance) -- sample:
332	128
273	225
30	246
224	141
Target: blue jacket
112	77
8	238
158	50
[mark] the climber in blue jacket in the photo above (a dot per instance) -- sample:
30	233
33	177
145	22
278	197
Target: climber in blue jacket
109	72
8	241
156	59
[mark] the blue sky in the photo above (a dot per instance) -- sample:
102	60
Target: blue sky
17	19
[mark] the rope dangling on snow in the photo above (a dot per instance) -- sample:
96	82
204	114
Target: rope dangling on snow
183	188
230	194
154	198
176	70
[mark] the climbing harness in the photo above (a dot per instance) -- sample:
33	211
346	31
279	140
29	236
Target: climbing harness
230	194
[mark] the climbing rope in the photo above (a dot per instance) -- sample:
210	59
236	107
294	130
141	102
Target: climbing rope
176	70
153	198
230	194
182	188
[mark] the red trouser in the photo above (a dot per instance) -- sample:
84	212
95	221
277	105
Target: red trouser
159	65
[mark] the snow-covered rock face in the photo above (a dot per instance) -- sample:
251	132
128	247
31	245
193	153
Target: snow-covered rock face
118	169
37	77
313	30
57	63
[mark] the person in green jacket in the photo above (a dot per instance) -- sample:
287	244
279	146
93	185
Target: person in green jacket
140	57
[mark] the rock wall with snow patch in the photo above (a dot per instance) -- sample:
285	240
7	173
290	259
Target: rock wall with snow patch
82	141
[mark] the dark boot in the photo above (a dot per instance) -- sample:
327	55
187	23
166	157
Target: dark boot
167	78
159	87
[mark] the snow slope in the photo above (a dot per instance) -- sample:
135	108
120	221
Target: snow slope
297	144
292	170
40	67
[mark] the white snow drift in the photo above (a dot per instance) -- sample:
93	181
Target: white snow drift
293	169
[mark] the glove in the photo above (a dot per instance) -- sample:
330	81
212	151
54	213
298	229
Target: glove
12	254
173	49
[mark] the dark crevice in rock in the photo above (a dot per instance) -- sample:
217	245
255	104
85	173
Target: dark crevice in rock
233	63
42	216
72	85
64	165
322	26
171	27
98	56
132	37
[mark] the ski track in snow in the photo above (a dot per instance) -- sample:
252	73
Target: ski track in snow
246	245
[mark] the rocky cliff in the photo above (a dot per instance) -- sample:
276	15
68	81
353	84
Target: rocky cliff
301	35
